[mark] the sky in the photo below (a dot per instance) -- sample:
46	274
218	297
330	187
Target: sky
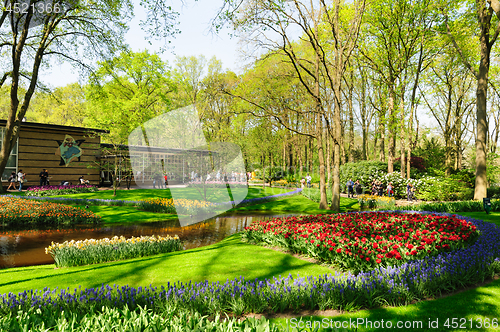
195	39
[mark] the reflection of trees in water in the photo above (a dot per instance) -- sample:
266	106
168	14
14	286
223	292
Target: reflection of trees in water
8	250
12	247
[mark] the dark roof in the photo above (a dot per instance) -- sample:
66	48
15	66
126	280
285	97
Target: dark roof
124	147
3	123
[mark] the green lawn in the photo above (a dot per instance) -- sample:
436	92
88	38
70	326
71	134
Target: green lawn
189	193
227	259
127	214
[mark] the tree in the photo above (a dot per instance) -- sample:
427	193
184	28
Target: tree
124	93
394	31
74	31
329	33
486	11
64	106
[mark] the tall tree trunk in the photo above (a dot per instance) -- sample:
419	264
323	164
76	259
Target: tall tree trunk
364	125
328	159
402	133
481	119
351	120
392	131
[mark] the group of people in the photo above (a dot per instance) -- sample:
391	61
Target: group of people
14	178
20	178
305	180
378	189
351	186
160	180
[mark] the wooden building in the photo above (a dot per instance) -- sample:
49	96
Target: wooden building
66	152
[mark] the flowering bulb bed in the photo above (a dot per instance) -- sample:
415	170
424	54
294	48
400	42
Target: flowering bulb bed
18	212
400	285
179	206
372	201
363	241
60	190
91	251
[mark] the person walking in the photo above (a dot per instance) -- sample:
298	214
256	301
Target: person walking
409	192
12	180
302	183
308	179
390	191
350	189
20	177
380	189
358	188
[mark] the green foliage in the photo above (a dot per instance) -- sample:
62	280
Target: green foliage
432	152
362	171
455	187
494	192
63	106
109	319
123	95
91	251
454	207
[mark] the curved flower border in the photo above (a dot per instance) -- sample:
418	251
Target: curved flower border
391	285
259	199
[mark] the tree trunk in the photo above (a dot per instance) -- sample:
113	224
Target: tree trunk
481	119
402	134
351	121
392	131
364	126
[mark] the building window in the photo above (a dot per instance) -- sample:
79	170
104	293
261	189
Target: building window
12	162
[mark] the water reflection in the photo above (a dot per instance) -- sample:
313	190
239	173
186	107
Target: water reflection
25	248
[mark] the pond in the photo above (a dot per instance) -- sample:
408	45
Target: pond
25	248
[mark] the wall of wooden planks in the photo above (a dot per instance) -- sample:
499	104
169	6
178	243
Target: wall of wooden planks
37	151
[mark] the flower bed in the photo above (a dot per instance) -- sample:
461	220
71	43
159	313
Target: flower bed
109	319
179	206
91	251
18	212
372	201
363	241
60	190
414	280
79	201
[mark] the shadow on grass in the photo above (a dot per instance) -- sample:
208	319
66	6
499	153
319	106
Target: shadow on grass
471	309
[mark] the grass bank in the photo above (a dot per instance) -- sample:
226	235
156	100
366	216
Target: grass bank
227	259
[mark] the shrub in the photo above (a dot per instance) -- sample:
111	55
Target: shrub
362	171
60	190
455	187
91	251
19	212
494	192
451	207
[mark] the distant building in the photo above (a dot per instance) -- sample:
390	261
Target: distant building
66	152
70	152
